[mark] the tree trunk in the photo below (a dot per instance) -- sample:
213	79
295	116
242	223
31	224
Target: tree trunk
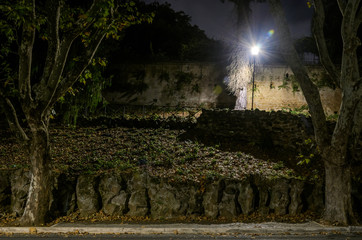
37	205
338	198
338	203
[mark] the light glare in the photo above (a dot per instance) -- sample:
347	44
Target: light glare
255	50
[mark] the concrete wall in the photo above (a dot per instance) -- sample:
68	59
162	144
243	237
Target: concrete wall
171	84
201	84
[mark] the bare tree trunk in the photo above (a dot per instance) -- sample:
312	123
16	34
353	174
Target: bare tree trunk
356	146
37	205
338	198
337	162
338	204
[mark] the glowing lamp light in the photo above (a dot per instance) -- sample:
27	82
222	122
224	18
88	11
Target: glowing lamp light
255	50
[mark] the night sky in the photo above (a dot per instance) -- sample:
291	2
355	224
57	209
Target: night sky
217	19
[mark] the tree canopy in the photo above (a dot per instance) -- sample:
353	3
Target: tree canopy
46	47
170	36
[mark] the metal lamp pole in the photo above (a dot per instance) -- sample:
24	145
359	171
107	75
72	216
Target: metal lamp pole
254	51
253	87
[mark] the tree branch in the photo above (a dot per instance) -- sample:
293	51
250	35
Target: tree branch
81	24
73	75
62	51
25	57
358	18
59	57
310	91
53	16
342	6
350	68
350	17
12	117
318	31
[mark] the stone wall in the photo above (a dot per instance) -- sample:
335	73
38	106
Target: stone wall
268	129
277	131
202	84
139	194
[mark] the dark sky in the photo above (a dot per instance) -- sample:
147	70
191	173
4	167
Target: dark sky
217	19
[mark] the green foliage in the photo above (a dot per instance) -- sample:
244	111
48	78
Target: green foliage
304	109
323	81
104	19
212	175
285	84
295	86
333	117
290	80
85	97
309	158
278	165
11	18
183	79
125	165
271	86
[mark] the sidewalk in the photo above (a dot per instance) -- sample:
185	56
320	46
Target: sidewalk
227	229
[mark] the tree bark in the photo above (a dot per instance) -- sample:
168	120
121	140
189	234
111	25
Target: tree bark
37	206
310	90
338	198
338	203
38	96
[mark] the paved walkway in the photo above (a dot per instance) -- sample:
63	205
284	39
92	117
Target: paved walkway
232	228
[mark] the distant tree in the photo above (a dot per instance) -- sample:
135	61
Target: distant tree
170	36
240	68
46	46
335	149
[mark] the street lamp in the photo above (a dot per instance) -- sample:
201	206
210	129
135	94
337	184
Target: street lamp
254	51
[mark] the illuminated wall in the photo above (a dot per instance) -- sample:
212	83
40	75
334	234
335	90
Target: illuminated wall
201	84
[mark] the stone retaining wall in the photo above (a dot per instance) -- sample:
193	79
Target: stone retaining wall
141	195
268	129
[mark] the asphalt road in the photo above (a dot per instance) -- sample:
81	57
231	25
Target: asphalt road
181	237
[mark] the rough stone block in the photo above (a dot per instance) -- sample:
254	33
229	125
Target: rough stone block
87	195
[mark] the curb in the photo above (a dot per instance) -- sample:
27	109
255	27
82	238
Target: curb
173	229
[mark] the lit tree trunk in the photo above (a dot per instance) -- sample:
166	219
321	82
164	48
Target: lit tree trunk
338	198
337	162
37	205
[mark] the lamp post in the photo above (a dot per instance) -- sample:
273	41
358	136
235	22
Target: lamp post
254	51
